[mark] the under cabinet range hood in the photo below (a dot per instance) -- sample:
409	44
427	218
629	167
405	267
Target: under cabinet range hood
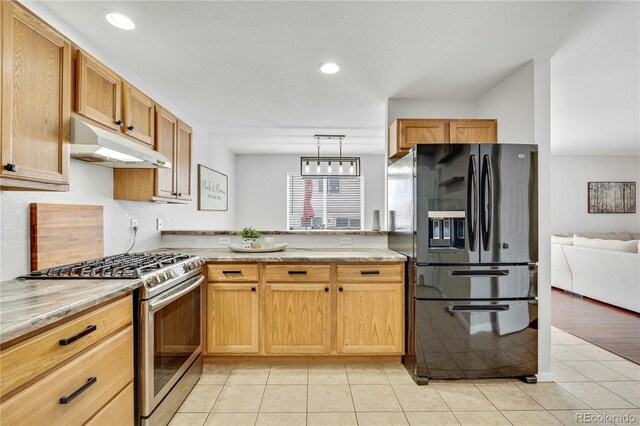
95	145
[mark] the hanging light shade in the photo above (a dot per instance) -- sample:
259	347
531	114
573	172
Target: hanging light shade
330	166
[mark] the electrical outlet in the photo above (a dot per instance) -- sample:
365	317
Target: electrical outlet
346	241
225	241
134	223
158	224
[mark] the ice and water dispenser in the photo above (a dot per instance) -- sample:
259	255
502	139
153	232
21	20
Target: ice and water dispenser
447	229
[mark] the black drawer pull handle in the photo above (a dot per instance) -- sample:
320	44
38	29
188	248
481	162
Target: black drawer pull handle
491	273
341	289
297	272
69	340
68	399
253	289
231	272
131	128
370	272
11	167
478	308
120	123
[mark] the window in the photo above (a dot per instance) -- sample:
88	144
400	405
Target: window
324	203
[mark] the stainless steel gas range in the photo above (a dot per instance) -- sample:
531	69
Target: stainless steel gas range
168	310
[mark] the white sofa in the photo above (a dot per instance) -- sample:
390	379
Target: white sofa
604	267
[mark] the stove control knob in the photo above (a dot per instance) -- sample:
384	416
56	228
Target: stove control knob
169	274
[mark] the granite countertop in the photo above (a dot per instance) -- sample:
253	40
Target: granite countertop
27	305
315	232
294	255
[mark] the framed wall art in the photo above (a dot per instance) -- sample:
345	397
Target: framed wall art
213	189
612	197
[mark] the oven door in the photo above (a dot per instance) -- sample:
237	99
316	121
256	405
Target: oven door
170	340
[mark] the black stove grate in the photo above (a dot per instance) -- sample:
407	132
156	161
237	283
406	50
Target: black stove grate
128	265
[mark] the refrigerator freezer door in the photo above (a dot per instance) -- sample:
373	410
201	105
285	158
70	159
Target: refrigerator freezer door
476	282
475	339
447	200
508	203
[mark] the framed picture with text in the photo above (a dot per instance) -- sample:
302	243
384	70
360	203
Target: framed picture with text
612	197
213	189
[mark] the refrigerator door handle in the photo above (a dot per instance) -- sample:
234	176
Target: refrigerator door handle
477	308
472	202
486	201
476	273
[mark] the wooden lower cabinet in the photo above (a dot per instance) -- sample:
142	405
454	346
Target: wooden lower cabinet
297	318
73	373
370	318
233	318
337	309
119	412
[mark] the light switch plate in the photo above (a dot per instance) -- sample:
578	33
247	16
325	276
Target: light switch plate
225	241
158	224
346	241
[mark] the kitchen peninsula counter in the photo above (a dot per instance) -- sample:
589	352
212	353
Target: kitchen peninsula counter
294	255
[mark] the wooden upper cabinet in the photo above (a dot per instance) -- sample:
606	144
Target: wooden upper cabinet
404	133
297	318
139	114
35	92
166	133
473	131
98	92
183	161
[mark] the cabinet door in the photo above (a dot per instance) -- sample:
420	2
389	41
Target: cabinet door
36	66
138	114
183	161
166	132
98	92
296	319
232	318
473	131
370	318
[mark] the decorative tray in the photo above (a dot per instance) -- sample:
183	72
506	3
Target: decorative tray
240	249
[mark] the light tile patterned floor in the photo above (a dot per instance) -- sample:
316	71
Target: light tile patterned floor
589	382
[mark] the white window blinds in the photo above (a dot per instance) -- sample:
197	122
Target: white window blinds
325	203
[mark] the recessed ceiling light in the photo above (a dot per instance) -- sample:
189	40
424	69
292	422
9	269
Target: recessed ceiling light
121	21
329	67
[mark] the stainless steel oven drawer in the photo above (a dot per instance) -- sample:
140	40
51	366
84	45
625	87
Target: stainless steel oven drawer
476	339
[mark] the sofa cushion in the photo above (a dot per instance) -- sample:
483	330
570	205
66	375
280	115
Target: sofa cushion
601	244
565	241
564	234
622	236
635	235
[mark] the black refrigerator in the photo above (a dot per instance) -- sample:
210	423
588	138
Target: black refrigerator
465	215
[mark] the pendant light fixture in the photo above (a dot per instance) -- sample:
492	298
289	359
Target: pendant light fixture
326	166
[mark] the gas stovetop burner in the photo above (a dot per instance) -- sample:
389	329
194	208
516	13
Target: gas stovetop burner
127	265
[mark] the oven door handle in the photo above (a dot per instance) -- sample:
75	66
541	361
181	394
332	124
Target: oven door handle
163	301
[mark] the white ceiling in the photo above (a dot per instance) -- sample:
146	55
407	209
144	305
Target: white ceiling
247	70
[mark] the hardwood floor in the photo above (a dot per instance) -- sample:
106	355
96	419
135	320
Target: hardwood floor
614	329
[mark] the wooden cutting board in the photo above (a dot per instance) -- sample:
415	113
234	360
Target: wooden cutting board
65	233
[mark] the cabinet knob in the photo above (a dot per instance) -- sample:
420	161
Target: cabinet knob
341	289
131	128
11	167
326	289
179	194
253	289
119	123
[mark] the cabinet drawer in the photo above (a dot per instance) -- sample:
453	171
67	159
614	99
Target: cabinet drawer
26	360
370	273
119	412
298	273
232	272
88	383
